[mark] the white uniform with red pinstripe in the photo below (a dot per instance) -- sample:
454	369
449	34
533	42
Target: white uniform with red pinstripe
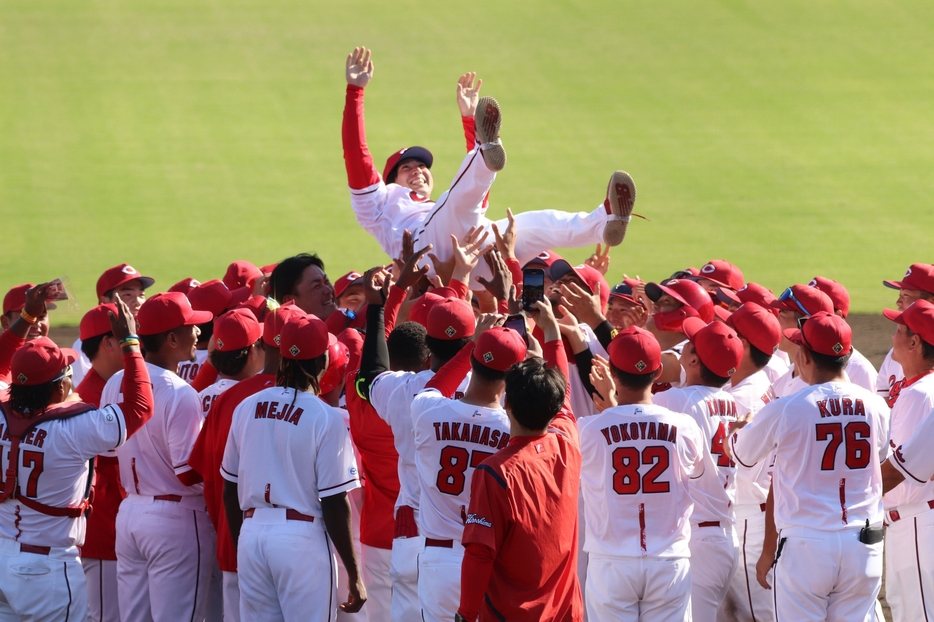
829	440
165	547
637	462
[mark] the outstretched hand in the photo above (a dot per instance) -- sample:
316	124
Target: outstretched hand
407	271
600	260
501	280
602	380
123	324
36	298
585	306
467	253
506	240
468	93
376	285
359	69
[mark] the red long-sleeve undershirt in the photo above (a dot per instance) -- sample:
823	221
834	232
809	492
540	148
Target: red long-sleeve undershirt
449	377
361	173
9	344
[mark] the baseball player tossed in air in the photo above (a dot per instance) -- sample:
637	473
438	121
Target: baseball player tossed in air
165	541
400	199
829	440
51	443
638	461
289	465
709	359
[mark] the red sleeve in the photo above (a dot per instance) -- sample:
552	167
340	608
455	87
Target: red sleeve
476	570
452	373
470	132
9	344
391	308
461	289
137	404
555	357
360	170
206	376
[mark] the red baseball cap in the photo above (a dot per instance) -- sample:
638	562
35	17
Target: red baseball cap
837	293
268	268
545	258
214	296
338	360
241	274
824	333
717	345
757	325
409	153
635	351
235	330
450	319
919	276
341	284
686	292
803	299
918	317
722	273
15	299
343	319
168	311
589	275
274	321
258	306
624	291
422	307
303	337
120	275
721	313
499	348
185	285
96	321
753	292
40	361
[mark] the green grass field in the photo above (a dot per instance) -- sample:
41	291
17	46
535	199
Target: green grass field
791	138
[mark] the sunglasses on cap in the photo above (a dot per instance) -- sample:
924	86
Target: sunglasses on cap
681	274
790	295
66	373
801	322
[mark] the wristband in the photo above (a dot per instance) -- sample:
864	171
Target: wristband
28	318
129	340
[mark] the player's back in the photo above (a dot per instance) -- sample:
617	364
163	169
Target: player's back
637	462
451	439
277	436
832	439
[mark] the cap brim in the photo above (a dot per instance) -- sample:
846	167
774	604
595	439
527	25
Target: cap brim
723	314
70	355
626	297
895	316
793	335
781	305
894	284
691	325
655	291
199	317
728	296
239	296
559	269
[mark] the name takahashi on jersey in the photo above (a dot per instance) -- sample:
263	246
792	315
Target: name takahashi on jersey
477	434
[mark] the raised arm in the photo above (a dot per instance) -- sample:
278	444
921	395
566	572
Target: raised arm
375	357
137	405
13	338
361	173
468	94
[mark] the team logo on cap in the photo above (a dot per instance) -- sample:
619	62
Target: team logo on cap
22	378
838	348
907	274
194	283
129	270
813	283
731	372
641	365
488	357
544	255
450	331
294	350
276	340
708	269
220	344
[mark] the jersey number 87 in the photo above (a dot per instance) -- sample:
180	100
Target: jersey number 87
454	463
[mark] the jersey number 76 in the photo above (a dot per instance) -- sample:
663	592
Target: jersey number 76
854	437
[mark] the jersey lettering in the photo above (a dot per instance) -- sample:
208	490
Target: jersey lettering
454	462
716	447
206	402
835	407
855	439
626	463
35	437
465	432
188	371
640	430
36	460
279	411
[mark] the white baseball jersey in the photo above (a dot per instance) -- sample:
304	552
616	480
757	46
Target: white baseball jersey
581	401
4	386
860	371
713	410
914	458
913	405
829	441
288	450
777	366
208	395
890	372
53	469
152	459
189	369
751	394
81	366
451	439
788	383
637	460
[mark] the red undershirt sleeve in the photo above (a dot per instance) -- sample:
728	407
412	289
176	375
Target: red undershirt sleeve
9	344
452	373
391	308
460	288
206	376
361	173
476	570
470	132
555	357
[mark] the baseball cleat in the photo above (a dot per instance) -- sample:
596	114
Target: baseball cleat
487	120
620	198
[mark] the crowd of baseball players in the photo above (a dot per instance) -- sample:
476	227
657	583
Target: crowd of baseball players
428	440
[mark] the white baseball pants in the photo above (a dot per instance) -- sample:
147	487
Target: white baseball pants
287	570
165	552
638	589
101	577
41	588
909	564
826	575
376	563
231	597
746	600
403	572
439	582
714	558
214	610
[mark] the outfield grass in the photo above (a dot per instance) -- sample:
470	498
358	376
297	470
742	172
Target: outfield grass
791	138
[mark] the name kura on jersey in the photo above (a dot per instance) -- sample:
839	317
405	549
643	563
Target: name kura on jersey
721	408
278	411
835	407
35	437
640	430
477	434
